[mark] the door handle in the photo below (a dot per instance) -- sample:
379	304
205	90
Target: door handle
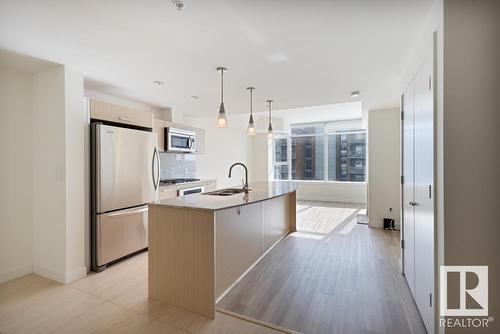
128	212
156	178
413	204
157	169
125	119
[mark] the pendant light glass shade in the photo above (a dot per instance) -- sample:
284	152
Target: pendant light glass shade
251	127
251	124
270	127
270	131
222	119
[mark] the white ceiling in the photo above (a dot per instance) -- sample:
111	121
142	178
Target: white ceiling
301	53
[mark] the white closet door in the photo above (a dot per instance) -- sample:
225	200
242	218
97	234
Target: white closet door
424	197
408	186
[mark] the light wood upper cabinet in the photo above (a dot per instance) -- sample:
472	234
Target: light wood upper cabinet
118	114
159	126
200	140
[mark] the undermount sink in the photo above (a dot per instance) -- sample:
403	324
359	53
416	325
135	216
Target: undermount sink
226	192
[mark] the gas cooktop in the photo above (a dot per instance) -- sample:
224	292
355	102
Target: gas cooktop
178	180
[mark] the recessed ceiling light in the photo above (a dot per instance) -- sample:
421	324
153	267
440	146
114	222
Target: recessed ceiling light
158	82
355	93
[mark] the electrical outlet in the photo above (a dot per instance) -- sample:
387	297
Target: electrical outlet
390	209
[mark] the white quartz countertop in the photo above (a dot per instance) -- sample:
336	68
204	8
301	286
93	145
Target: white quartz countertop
260	191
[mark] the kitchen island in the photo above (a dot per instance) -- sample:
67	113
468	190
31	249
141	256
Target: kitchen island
201	245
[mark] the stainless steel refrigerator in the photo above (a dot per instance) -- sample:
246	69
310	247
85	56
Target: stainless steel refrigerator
125	176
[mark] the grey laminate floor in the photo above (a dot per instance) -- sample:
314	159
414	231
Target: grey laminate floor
332	276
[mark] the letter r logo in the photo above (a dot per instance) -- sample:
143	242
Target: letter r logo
470	291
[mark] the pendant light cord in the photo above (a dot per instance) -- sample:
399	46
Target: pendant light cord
251	105
222	86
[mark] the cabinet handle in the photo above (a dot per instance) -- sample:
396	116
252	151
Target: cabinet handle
125	119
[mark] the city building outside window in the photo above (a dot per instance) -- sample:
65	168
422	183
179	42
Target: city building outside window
332	151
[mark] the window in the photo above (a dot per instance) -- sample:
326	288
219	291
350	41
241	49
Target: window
280	158
308	158
347	156
334	151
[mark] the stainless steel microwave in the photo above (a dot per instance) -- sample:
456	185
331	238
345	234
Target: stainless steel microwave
181	141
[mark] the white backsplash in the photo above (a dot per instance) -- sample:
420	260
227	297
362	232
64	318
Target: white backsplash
174	165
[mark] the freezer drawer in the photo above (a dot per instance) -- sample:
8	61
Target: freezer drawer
120	233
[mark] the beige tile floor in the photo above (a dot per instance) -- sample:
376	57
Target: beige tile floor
114	301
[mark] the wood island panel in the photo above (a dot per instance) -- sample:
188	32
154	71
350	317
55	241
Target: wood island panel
181	258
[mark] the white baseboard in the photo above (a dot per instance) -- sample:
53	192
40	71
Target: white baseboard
64	278
49	273
330	199
376	224
75	275
380	224
15	273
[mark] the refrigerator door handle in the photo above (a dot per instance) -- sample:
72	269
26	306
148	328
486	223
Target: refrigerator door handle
128	212
156	178
157	169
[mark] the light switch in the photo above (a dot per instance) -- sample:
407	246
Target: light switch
59	173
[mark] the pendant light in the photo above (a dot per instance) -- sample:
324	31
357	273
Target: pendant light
270	127
222	120
251	124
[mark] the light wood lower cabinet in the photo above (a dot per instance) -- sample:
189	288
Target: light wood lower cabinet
167	192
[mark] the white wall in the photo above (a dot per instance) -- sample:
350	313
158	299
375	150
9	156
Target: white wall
384	166
49	200
16	195
223	147
43	169
348	192
77	196
59	174
261	158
